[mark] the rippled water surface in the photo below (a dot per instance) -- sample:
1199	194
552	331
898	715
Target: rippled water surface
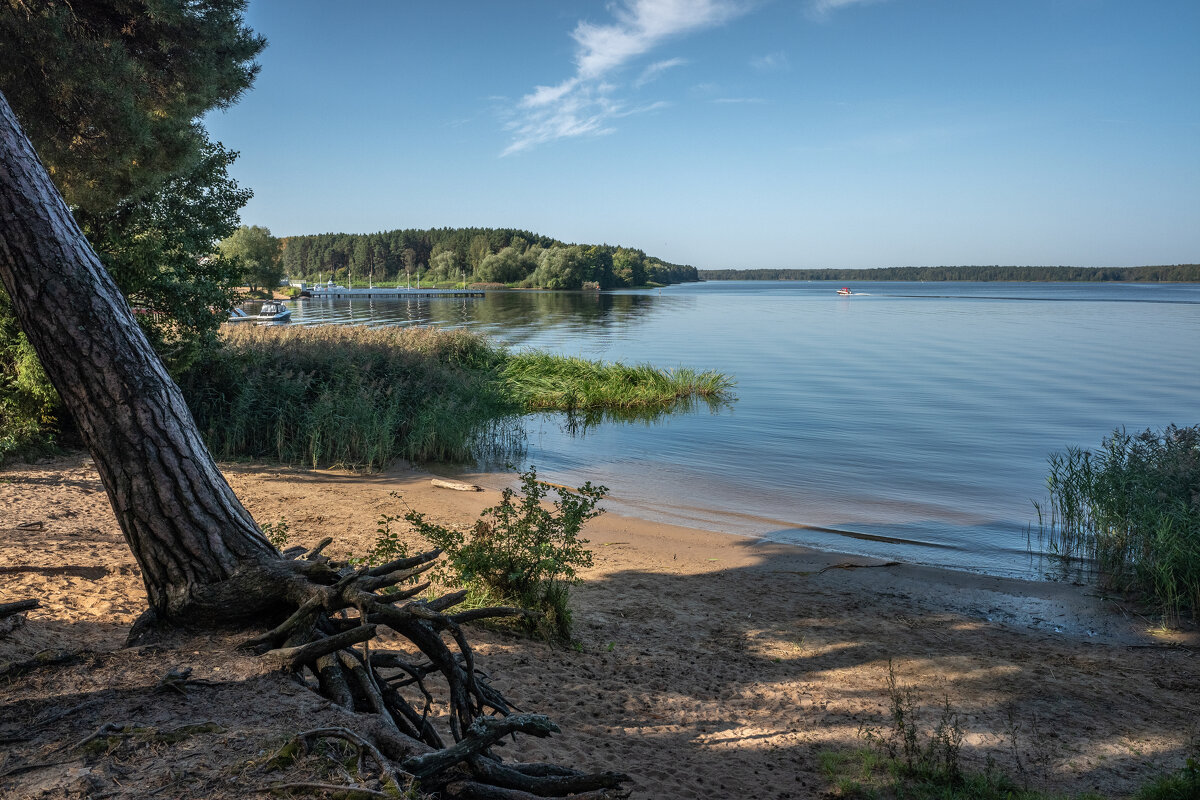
910	420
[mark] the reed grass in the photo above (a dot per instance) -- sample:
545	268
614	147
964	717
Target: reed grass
1133	509
348	396
362	397
542	381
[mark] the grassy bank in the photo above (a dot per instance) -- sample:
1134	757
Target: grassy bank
363	397
1133	508
541	381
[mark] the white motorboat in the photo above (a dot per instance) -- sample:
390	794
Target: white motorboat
273	311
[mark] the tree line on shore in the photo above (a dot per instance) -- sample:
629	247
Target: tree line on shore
1172	273
480	255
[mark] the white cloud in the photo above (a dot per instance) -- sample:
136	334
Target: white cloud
584	103
771	62
747	100
652	72
823	8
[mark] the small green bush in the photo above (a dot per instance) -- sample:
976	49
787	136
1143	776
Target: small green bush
387	547
520	552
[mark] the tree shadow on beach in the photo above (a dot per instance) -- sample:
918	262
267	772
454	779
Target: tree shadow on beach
743	675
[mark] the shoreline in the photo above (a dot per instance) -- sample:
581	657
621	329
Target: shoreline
709	520
1056	607
705	663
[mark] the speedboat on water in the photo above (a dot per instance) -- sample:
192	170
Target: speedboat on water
845	290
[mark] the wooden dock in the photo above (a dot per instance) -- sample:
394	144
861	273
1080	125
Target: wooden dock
343	292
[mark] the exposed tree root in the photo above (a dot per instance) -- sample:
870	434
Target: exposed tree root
339	610
10	618
45	658
8	609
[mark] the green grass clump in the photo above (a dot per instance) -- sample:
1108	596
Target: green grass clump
864	775
1184	784
1133	508
541	381
362	397
911	760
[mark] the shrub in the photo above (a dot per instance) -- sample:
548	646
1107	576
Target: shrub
522	552
1133	508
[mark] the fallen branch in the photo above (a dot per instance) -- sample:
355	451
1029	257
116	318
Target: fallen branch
22	768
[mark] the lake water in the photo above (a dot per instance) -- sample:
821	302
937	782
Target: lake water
909	421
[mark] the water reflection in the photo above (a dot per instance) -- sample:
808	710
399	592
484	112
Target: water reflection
514	317
578	423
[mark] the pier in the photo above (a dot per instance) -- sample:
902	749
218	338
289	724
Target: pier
342	291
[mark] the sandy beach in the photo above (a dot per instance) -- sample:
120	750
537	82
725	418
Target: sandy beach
706	664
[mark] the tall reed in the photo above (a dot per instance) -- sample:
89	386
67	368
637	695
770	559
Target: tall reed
357	397
362	397
1133	507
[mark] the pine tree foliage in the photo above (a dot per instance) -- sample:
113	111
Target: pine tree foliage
110	93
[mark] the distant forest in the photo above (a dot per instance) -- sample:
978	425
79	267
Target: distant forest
477	255
1176	273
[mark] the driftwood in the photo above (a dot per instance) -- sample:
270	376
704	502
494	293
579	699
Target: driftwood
457	486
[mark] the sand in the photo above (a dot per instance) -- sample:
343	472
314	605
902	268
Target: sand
706	664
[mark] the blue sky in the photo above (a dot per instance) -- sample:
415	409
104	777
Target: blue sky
737	133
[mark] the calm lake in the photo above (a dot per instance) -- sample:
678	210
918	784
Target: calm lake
909	421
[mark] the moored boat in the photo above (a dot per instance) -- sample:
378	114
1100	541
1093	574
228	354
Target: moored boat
273	311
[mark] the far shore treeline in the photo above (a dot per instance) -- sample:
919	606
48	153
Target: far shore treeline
1174	273
478	255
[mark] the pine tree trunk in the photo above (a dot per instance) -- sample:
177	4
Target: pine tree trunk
183	523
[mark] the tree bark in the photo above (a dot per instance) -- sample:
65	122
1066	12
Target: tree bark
186	528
